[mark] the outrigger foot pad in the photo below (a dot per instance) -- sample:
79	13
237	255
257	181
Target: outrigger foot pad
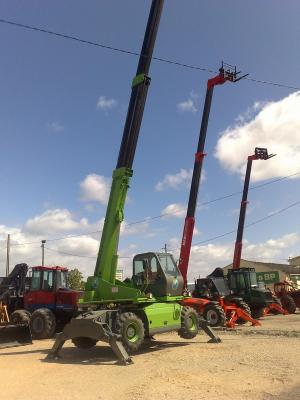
207	329
91	325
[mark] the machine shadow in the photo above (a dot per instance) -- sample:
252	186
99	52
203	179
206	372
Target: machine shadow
103	355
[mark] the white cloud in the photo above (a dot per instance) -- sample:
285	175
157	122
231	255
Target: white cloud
181	179
176	210
56	126
106	104
51	221
134	229
205	258
190	104
277	127
95	188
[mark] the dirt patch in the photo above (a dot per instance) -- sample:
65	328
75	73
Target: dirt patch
254	366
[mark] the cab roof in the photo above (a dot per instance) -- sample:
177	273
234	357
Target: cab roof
50	268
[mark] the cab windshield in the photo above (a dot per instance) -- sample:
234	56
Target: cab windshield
168	264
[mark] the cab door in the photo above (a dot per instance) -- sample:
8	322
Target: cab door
42	293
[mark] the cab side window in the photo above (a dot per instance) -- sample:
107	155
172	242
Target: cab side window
153	269
48	280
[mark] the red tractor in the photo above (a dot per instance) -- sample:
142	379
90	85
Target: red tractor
288	295
43	300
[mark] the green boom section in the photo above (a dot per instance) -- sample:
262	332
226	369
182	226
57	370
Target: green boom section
103	287
106	265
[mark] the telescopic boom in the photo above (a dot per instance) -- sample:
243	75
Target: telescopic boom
226	73
106	264
259	154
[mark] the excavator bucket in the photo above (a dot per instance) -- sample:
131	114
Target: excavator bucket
14	335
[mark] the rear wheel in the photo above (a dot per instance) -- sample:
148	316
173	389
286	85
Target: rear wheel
244	306
20	317
288	304
84	343
132	331
257	313
42	323
189	323
214	315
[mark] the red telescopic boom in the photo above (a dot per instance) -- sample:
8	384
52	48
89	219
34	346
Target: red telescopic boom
259	154
226	73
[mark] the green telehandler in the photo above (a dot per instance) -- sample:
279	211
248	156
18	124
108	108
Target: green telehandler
124	314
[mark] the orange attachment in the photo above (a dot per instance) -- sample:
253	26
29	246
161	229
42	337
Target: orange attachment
232	311
275	306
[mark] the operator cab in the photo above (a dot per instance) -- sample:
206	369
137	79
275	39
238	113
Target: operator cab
158	274
48	279
242	280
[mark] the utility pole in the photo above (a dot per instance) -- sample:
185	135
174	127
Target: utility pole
7	254
165	248
43	252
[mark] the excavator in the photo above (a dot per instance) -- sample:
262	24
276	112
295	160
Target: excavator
212	307
125	314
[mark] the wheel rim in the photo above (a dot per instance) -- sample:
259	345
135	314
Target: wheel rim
38	325
132	332
212	317
192	323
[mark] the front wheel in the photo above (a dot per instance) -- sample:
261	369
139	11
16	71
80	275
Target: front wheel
132	331
214	315
20	317
189	323
42	323
257	313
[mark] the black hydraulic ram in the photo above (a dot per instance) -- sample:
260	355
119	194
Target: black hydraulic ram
259	154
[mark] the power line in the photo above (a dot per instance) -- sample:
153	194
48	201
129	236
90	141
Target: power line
73	255
159	216
133	53
250	224
203	241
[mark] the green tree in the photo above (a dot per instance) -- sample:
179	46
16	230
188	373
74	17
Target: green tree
75	279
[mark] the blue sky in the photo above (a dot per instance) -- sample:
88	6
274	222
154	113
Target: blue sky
63	107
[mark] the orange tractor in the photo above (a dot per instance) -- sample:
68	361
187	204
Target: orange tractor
288	295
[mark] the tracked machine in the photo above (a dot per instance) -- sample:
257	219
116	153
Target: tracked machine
125	314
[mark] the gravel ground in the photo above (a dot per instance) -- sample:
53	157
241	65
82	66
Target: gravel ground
264	365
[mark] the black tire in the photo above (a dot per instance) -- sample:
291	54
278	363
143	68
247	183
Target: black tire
257	313
214	315
42	324
189	323
132	331
20	317
288	304
84	343
244	306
